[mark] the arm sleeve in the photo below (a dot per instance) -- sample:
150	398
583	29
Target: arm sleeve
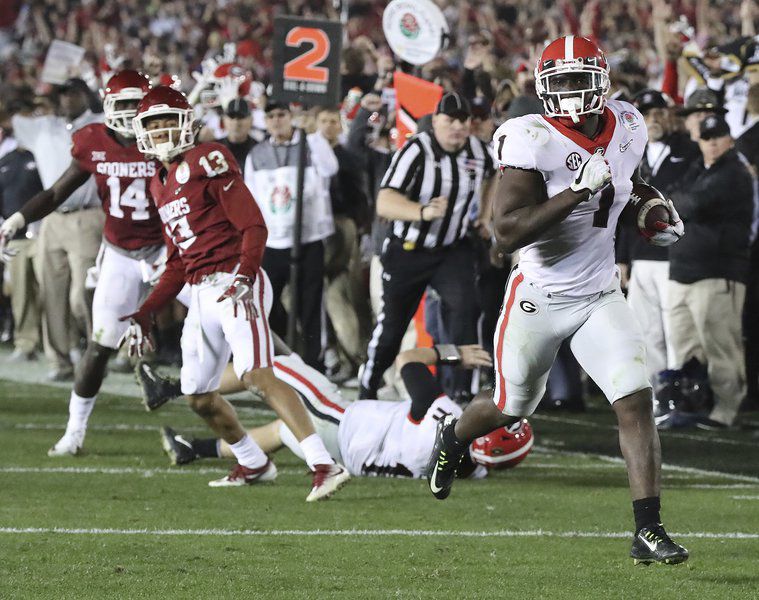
423	388
169	285
405	167
243	212
356	143
322	156
468	84
670	81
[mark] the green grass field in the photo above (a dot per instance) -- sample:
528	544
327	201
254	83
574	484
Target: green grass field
118	522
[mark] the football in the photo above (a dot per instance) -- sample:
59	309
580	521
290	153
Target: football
651	208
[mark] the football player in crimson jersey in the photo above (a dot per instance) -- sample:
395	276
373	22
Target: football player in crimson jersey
132	238
216	235
566	178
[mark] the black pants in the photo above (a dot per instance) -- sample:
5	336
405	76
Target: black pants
451	272
276	263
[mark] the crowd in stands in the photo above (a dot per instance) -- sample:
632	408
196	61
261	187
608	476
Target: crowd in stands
681	48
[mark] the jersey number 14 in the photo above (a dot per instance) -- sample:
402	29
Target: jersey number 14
134	197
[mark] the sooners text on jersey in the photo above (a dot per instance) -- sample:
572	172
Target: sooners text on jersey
576	256
122	174
204	203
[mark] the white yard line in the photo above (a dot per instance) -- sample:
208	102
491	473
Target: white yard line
133	471
114	427
745	497
668	433
665	466
536	533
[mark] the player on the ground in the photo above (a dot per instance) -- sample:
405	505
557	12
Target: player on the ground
566	178
216	236
371	437
132	239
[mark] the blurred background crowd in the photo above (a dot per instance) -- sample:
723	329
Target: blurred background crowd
682	63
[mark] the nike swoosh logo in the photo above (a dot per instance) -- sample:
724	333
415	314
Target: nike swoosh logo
183	441
433	484
651	546
229	185
148	373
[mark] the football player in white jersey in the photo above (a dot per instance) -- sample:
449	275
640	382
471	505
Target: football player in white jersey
374	438
566	177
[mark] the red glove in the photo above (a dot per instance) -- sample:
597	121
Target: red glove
241	294
137	334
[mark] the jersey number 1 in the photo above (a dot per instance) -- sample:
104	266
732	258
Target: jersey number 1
601	216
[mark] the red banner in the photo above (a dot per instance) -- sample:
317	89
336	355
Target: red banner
414	98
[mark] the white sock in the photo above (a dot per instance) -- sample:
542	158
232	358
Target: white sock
248	453
79	412
315	452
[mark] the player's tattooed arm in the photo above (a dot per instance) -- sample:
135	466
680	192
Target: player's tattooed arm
522	210
42	204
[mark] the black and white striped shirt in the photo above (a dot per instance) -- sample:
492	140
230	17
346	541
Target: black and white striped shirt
422	170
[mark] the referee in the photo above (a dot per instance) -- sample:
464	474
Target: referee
429	192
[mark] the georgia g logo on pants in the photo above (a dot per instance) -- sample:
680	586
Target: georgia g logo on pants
529	307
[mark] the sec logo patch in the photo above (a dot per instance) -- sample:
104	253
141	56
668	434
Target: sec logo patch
182	174
573	162
529	307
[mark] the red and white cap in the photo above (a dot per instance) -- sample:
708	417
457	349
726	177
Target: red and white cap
572	54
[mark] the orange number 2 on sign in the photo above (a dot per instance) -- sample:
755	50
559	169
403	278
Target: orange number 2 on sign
303	67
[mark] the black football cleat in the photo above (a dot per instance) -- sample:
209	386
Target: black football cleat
652	545
179	450
444	461
157	390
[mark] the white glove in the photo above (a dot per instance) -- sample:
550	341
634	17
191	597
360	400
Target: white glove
668	233
241	293
202	79
7	231
594	175
228	90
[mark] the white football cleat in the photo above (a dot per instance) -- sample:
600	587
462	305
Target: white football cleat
69	445
240	476
327	480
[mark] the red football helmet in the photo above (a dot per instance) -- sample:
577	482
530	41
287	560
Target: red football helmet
503	448
169	80
164	142
211	97
127	86
572	78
